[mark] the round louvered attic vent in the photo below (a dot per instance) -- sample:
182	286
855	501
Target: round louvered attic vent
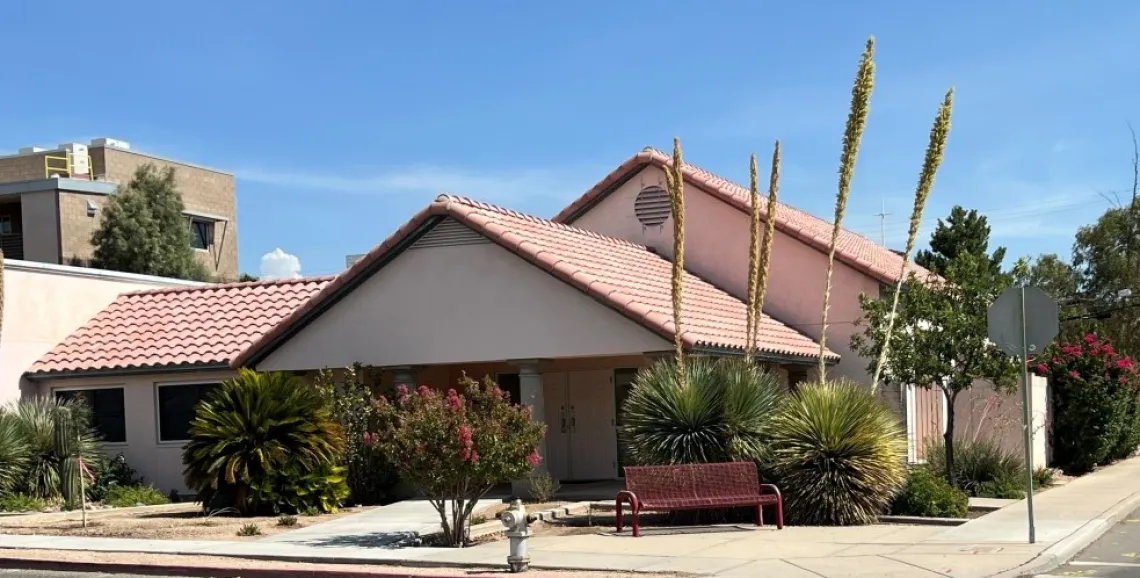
652	206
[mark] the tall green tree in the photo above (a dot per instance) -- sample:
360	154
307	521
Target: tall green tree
940	337
963	232
143	229
1106	259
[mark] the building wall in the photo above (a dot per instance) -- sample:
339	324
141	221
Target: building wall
40	211
984	414
77	225
203	190
24	167
477	301
159	463
45	303
716	248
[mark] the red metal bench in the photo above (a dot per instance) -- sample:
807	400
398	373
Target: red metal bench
696	487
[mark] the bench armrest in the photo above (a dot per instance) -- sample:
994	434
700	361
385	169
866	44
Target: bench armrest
772	490
629	497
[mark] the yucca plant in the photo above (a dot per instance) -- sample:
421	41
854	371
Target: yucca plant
14	453
41	422
840	454
249	429
675	181
722	413
852	137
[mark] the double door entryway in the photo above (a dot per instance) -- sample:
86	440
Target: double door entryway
582	422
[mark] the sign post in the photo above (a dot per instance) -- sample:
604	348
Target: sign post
1023	321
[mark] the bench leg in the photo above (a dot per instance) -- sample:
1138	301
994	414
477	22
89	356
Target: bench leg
780	514
634	509
760	515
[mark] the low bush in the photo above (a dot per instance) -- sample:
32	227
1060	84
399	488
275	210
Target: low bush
250	431
53	432
1043	477
110	474
14	502
14	453
981	468
543	488
303	491
131	496
287	521
927	493
839	453
249	530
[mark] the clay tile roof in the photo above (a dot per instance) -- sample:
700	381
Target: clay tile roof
623	275
178	327
853	249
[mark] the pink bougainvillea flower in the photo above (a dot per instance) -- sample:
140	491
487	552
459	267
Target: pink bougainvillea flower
1041	369
498	393
1074	374
534	458
423	391
1090	338
1124	363
453	399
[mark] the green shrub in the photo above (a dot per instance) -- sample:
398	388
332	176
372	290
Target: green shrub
1004	488
302	491
370	477
14	454
54	430
723	413
131	496
839	453
287	521
543	487
15	502
249	530
1043	477
251	429
1094	407
109	474
927	493
977	464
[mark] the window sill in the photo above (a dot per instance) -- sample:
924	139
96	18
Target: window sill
200	250
172	444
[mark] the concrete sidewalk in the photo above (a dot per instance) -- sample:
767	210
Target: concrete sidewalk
1069	518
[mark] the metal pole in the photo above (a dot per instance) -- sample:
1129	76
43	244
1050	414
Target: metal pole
1026	400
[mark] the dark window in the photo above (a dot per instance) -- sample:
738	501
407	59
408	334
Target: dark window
623	384
202	234
509	382
176	406
108	414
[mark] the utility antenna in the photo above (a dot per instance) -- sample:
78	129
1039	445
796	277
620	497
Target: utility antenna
882	215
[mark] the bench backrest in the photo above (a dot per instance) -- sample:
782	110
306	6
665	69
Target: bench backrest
693	480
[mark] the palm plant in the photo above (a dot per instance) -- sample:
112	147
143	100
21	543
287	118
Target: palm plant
39	421
251	428
722	413
13	453
839	454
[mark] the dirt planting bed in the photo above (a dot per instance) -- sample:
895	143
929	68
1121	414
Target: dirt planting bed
174	522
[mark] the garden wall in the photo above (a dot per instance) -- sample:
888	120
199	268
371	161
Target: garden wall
982	413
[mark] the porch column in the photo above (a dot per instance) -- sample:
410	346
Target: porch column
530	393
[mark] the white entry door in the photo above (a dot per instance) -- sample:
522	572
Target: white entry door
581	440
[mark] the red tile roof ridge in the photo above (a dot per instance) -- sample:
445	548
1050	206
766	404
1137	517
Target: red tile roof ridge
231	285
446	198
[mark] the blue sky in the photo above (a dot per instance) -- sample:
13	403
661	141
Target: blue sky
340	119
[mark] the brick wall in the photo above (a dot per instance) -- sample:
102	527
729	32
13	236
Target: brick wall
76	227
203	190
24	167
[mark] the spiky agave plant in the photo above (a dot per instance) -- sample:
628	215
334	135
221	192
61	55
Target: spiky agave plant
723	412
40	421
13	453
935	149
839	453
852	137
675	181
251	428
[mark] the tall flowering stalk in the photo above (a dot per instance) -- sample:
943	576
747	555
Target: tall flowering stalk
766	242
935	149
675	180
751	319
852	137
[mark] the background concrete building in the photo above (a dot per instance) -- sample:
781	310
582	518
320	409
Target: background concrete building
50	202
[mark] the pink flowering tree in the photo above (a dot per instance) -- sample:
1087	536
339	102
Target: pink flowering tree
456	446
1096	403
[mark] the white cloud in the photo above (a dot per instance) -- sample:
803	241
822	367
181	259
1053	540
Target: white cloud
492	186
278	264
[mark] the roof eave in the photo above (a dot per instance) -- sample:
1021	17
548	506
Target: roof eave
126	371
766	356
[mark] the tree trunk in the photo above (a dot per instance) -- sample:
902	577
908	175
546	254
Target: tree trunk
949	438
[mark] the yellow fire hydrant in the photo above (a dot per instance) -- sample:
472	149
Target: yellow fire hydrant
518	532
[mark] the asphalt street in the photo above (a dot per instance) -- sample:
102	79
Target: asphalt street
1114	555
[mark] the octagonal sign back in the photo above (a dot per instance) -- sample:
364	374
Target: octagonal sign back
1042	320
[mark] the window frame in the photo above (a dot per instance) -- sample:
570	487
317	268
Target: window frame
11	225
515	400
212	226
121	386
158	407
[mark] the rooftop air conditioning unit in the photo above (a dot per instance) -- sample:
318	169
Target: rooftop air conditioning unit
31	150
111	142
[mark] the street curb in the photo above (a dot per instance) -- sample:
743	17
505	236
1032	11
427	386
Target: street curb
1065	549
210	571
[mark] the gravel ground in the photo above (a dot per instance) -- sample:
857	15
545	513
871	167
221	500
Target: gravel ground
184	522
225	567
